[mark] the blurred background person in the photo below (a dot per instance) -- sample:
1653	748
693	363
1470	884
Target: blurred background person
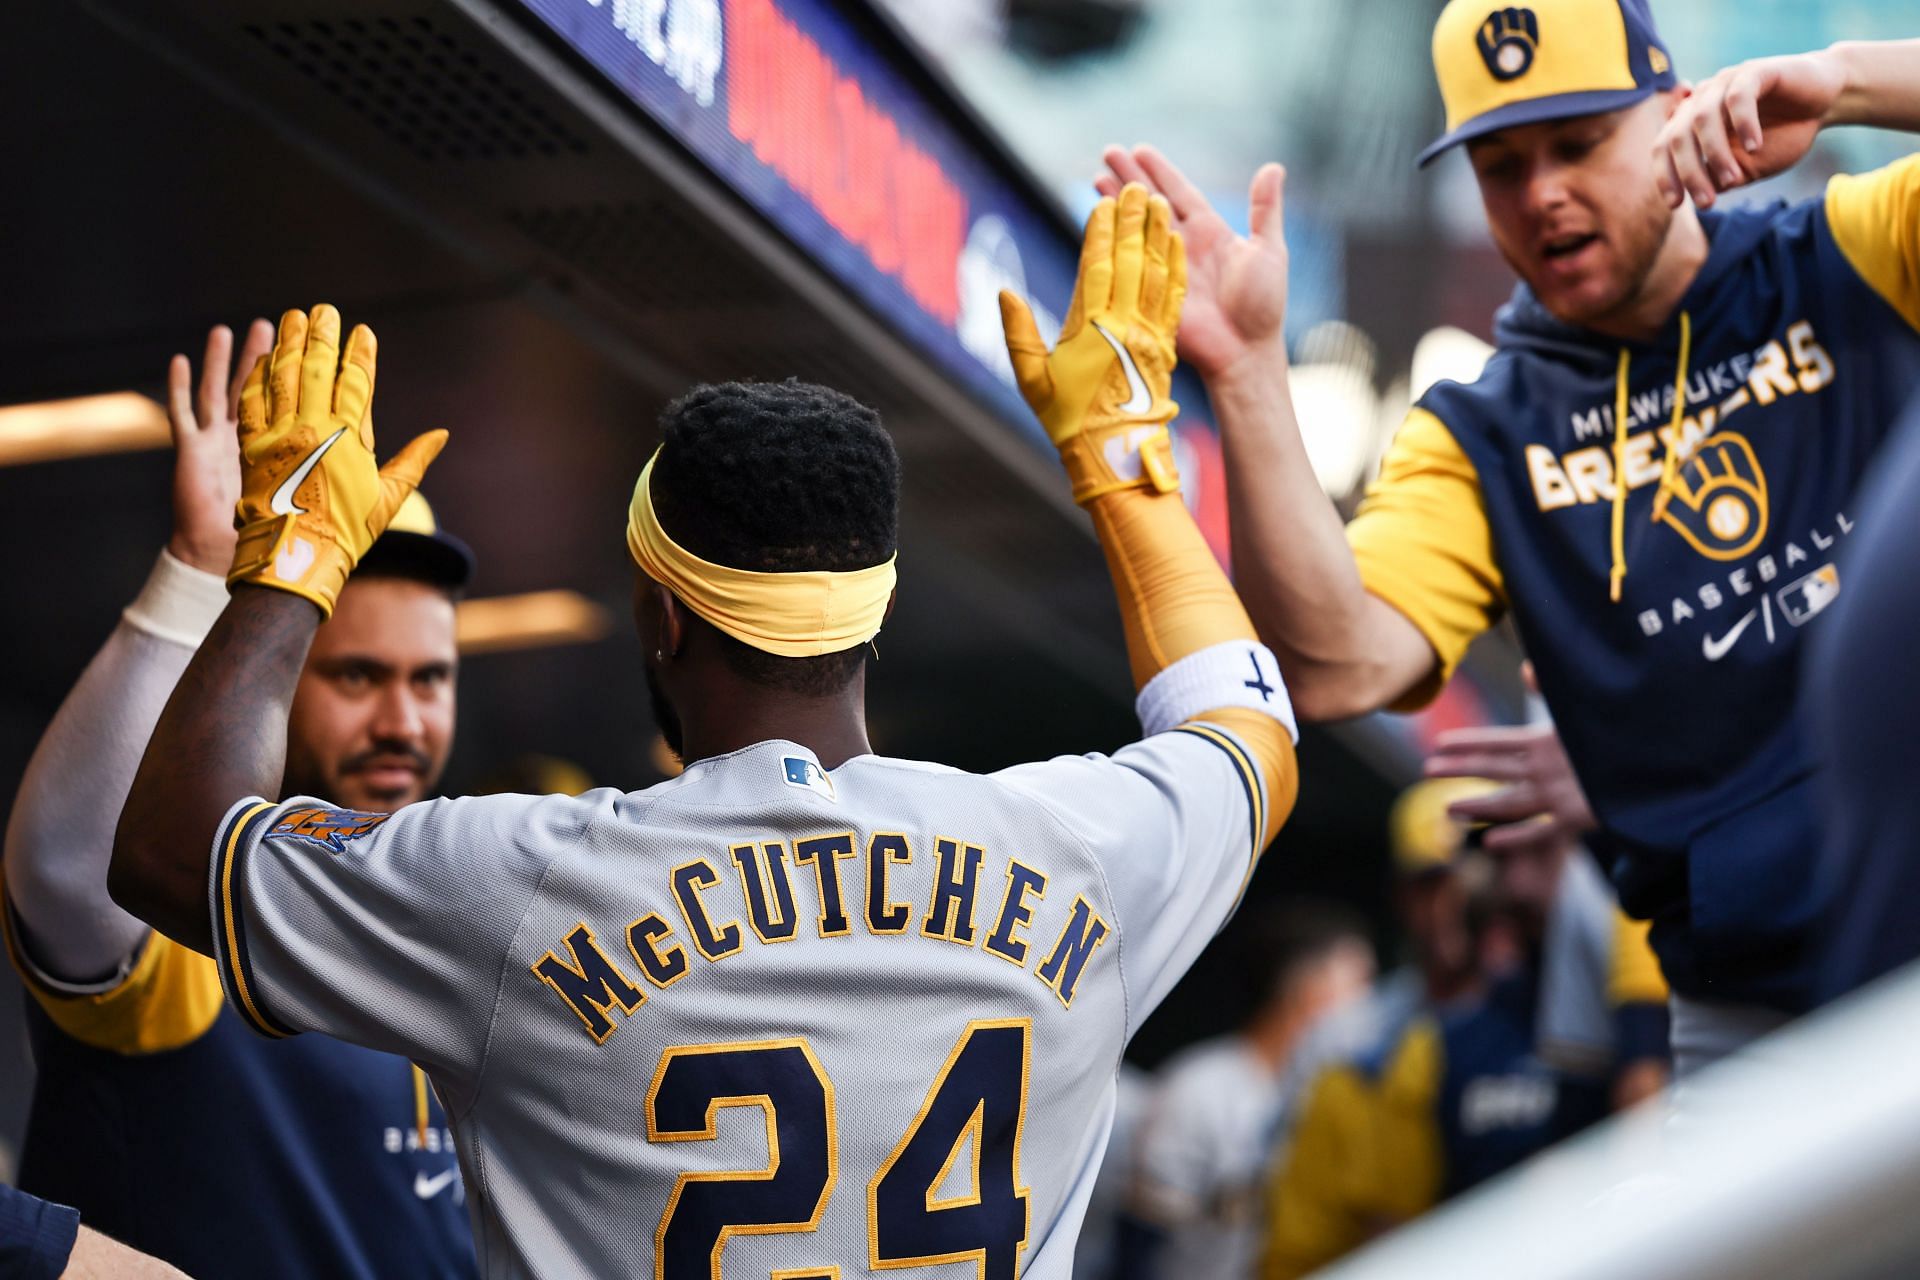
1200	1161
1512	1044
1603	1002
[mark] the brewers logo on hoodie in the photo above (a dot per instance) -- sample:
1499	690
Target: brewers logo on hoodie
1664	521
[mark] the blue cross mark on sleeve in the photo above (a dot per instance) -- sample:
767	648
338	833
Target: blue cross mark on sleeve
1259	681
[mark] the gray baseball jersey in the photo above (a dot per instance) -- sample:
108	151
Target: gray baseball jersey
764	1020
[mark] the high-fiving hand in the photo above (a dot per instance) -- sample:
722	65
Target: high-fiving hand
1103	392
311	497
1237	296
206	462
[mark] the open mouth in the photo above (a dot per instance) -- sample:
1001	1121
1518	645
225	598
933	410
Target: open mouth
1567	246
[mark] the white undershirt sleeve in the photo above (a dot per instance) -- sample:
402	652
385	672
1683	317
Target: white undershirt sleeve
60	838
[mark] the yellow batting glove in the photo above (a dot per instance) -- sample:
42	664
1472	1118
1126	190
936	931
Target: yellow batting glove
311	497
1102	393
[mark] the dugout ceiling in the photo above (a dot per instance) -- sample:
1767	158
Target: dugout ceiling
558	214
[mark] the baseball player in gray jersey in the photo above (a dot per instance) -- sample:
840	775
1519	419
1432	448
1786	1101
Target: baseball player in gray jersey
804	1010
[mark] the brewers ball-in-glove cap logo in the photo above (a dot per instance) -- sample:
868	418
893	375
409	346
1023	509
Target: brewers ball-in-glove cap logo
1507	40
1510	66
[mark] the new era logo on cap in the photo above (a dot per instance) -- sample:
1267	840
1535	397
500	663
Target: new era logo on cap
1507	40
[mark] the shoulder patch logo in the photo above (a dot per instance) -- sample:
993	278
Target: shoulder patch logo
328	828
1507	40
808	776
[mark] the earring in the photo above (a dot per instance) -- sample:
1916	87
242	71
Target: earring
659	655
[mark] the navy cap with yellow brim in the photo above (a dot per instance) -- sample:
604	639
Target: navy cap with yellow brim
1502	66
413	545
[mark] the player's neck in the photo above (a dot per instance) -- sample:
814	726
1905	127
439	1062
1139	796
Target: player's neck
735	715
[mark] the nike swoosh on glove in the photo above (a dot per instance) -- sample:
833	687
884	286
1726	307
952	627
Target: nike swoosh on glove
312	499
1103	392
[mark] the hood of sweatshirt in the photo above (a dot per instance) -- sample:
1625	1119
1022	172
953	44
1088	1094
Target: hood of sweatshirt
1524	324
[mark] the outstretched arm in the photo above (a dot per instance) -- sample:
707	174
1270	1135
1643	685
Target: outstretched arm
312	502
60	838
1759	118
1102	394
1344	650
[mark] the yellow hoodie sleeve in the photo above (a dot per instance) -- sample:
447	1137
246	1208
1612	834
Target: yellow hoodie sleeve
1424	545
169	998
1875	219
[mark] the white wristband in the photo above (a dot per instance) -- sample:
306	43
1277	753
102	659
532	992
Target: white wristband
179	603
1240	673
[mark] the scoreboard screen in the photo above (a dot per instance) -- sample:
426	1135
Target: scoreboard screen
859	162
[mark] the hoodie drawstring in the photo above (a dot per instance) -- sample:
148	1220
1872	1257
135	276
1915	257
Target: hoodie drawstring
1619	570
420	1104
1668	465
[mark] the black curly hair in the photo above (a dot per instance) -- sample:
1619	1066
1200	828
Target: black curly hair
779	477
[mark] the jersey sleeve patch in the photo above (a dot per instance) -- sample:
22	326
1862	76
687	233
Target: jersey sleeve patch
242	829
326	828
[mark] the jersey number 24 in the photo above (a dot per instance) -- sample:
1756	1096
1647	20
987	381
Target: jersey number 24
977	1104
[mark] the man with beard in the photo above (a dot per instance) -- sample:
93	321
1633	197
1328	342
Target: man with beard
1650	475
155	1113
803	1006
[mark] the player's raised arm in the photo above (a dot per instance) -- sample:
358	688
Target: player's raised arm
311	502
1103	395
69	937
1344	649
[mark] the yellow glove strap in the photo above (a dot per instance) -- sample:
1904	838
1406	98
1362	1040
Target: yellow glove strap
278	553
1130	457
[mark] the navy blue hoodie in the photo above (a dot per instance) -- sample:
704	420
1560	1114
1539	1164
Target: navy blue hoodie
1796	352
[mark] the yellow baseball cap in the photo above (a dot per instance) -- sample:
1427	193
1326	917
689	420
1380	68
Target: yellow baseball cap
1501	66
1424	837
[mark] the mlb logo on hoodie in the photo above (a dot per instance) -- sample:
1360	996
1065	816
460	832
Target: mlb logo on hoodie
1804	597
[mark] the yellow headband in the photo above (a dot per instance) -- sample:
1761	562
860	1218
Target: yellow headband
794	615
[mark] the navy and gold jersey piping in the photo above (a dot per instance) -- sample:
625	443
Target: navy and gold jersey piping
230	851
1249	775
